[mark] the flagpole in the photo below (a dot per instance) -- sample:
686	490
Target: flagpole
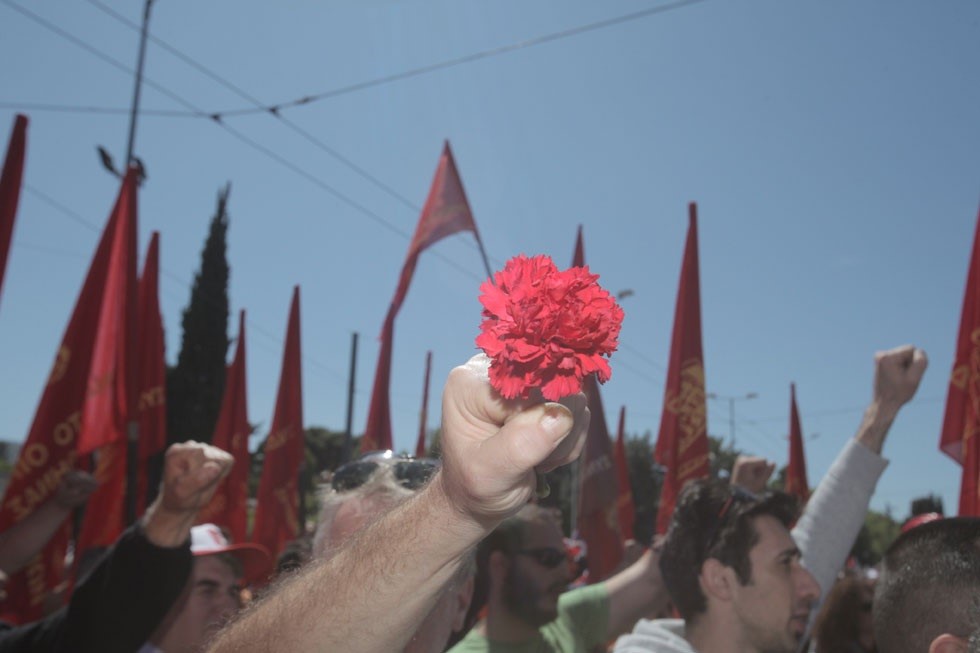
350	399
134	110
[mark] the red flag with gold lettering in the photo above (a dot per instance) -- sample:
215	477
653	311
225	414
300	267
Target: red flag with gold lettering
446	212
598	522
627	511
962	420
682	444
228	505
796	482
13	172
49	451
277	512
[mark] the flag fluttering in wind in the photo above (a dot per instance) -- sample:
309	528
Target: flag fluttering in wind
962	421
10	179
682	444
446	212
627	511
228	505
277	512
424	413
796	483
598	489
50	449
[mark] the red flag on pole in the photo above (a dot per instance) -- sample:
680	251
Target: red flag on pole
446	212
796	483
49	450
228	505
277	512
13	172
962	420
424	413
152	366
627	512
682	444
598	492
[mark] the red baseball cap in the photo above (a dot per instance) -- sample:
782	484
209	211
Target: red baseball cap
208	539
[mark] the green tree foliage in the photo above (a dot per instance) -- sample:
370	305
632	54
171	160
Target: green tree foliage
877	533
196	383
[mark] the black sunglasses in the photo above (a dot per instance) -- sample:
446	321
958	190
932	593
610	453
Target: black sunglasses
736	496
410	473
549	557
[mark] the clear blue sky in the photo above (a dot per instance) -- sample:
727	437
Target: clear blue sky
833	148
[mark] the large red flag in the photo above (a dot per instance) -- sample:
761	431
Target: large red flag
49	450
598	491
682	444
228	505
962	421
424	413
13	172
627	511
446	212
796	483
277	513
152	366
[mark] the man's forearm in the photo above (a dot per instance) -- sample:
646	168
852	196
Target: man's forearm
877	420
372	595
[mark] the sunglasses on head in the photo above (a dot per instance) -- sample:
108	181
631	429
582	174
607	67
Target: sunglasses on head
547	556
736	496
410	473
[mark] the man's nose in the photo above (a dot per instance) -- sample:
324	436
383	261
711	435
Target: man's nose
807	587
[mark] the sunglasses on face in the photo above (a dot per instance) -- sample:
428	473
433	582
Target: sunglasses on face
410	473
549	557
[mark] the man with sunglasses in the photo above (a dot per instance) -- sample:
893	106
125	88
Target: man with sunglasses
709	573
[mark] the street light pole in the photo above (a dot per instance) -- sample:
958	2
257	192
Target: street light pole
731	409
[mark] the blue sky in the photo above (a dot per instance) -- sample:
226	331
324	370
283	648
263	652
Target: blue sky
832	148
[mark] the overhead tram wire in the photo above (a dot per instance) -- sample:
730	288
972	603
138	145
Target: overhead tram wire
66	108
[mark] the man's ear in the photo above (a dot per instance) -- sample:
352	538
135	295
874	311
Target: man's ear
948	644
716	580
498	566
464	595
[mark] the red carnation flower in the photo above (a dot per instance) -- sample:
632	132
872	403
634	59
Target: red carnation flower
544	328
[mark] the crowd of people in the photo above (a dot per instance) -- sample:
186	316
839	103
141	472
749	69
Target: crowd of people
427	556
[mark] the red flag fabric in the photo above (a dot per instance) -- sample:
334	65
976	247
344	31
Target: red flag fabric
228	505
13	172
152	369
446	212
598	492
424	413
796	483
962	419
277	512
49	450
105	516
682	443
627	512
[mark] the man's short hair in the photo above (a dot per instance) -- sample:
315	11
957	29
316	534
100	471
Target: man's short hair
714	520
929	586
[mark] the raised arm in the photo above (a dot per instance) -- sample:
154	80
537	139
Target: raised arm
391	572
636	592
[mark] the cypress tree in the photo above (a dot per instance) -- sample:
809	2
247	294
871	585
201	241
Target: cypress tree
196	383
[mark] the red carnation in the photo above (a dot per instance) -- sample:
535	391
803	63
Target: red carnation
544	328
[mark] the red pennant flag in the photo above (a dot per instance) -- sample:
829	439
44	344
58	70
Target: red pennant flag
277	513
49	450
446	212
228	505
13	172
424	413
598	492
962	420
105	509
152	366
682	444
627	512
796	483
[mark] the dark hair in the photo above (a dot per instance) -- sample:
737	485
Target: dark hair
837	626
714	520
929	586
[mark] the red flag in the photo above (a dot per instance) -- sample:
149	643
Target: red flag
105	509
627	513
796	483
962	420
277	513
598	492
682	444
152	366
446	212
50	447
228	505
13	171
424	413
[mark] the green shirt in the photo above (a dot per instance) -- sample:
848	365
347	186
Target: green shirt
582	624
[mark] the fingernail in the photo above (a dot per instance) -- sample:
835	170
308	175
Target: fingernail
556	419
